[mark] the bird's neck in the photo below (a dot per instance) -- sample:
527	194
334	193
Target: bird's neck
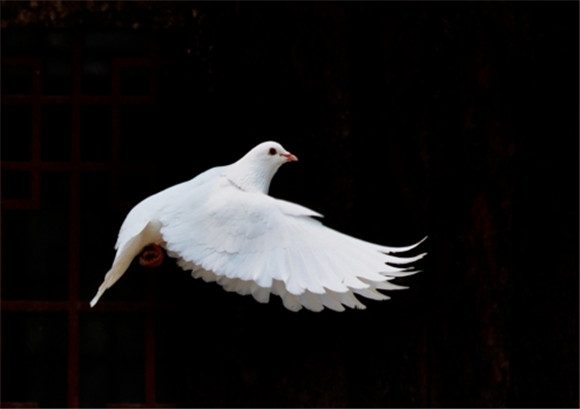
250	178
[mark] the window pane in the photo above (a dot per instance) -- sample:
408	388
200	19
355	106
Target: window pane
135	185
17	79
57	75
112	364
96	76
139	139
20	42
116	43
58	41
56	132
35	257
16	132
135	80
96	133
15	184
34	358
171	374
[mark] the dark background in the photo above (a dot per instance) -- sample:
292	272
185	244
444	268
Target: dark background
453	120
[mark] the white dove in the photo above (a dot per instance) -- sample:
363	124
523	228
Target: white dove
223	226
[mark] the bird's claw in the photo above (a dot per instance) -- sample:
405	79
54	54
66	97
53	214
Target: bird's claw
152	256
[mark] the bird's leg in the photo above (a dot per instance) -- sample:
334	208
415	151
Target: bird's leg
152	256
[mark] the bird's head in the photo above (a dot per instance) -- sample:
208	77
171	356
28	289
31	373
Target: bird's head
271	154
256	169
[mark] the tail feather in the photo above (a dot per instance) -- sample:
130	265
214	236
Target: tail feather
124	257
120	265
102	288
110	278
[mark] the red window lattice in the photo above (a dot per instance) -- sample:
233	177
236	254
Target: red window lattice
71	104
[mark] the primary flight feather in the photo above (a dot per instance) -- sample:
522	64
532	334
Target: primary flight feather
223	226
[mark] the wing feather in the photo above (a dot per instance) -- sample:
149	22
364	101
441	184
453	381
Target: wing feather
254	244
311	301
261	294
332	301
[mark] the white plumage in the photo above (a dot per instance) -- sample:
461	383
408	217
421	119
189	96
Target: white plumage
224	227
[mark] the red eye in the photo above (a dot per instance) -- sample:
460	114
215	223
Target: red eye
272	151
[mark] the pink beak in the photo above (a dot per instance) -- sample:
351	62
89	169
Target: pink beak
289	157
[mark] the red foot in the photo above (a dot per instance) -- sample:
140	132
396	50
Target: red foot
152	256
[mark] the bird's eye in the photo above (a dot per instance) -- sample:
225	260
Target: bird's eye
272	151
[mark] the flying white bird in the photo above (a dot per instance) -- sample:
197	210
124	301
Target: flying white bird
223	226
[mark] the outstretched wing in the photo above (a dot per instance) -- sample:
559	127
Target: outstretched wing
254	244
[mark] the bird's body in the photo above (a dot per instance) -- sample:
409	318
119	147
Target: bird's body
224	227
